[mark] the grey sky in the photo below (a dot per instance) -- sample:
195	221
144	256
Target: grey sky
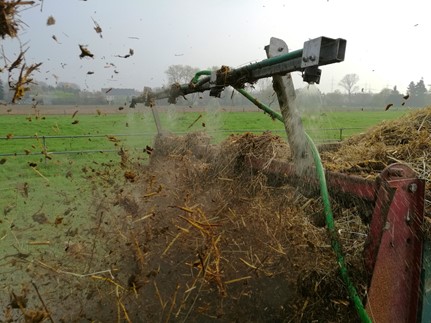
387	41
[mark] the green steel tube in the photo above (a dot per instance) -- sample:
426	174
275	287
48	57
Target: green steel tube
263	63
198	74
272	113
328	213
274	60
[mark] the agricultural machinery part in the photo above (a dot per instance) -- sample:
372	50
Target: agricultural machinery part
394	201
280	62
393	251
283	86
395	246
316	52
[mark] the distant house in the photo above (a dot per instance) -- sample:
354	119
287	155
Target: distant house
119	96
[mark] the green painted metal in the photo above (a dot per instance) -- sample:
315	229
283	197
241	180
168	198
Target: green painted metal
199	74
275	60
263	63
260	105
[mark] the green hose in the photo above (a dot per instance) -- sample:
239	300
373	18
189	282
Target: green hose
333	233
328	211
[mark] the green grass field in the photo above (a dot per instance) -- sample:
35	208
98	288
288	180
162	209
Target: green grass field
217	123
47	203
139	129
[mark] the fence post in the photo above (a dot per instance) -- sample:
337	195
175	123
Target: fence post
44	147
341	134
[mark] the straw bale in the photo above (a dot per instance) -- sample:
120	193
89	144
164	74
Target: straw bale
405	140
9	22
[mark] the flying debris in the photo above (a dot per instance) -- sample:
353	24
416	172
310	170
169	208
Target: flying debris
90	72
50	21
133	37
123	56
131	52
85	52
108	90
18	61
55	38
97	28
24	79
405	97
388	106
9	25
56	78
148	150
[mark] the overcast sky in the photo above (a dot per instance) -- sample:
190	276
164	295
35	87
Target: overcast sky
387	41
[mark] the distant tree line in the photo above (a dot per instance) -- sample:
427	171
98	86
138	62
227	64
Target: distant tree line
349	96
415	95
65	93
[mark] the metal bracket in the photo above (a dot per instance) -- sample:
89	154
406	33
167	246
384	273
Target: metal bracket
322	51
312	74
216	83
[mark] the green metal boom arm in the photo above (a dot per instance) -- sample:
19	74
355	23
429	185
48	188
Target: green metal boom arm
316	52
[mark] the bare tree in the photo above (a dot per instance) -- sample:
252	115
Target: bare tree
180	73
348	82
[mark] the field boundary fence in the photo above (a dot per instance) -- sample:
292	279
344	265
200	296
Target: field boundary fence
338	134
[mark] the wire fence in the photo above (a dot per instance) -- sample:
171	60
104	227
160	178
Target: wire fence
44	142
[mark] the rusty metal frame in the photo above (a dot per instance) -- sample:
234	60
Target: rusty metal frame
394	247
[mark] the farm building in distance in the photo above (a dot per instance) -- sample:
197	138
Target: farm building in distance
119	96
